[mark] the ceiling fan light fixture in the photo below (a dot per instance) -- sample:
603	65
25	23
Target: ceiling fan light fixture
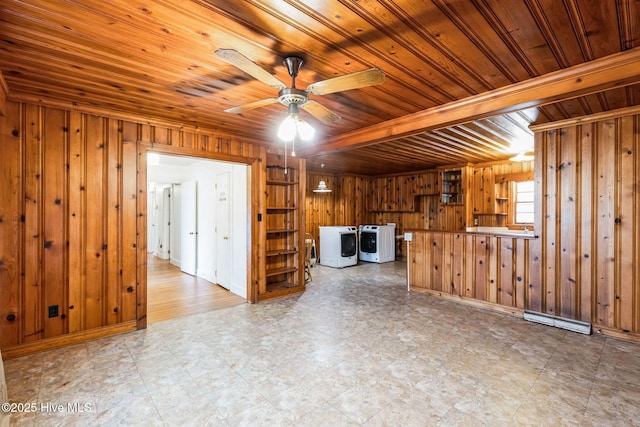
322	187
294	125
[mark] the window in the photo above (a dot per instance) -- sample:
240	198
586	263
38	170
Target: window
524	202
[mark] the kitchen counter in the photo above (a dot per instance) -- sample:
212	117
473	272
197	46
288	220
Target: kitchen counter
484	231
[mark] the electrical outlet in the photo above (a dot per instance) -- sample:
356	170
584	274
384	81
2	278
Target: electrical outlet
53	311
475	221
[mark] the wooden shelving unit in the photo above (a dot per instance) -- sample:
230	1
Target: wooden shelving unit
452	188
284	272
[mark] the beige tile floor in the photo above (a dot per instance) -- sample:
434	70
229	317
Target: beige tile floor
354	349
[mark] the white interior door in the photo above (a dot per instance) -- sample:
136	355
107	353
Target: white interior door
176	222
188	227
223	230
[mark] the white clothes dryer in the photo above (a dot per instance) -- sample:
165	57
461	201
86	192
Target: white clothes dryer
378	243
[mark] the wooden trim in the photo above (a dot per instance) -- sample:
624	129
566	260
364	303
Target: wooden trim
4	92
253	209
518	177
512	311
617	70
66	340
598	117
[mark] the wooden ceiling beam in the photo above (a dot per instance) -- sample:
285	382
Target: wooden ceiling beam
617	70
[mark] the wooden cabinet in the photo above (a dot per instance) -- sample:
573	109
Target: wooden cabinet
455	204
284	228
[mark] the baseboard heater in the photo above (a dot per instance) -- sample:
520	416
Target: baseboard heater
558	322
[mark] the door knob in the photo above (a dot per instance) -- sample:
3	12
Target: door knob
226	237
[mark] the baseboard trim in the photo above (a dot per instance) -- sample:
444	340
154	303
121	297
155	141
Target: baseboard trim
66	340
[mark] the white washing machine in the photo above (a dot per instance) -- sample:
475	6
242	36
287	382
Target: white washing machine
338	246
378	243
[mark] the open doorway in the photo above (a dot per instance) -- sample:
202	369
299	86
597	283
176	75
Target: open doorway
187	229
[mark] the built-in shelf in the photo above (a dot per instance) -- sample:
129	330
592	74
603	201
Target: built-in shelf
281	270
282	252
284	226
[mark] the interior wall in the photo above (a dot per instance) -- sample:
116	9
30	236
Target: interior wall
72	216
587	258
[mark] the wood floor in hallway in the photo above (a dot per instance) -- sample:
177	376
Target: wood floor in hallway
172	293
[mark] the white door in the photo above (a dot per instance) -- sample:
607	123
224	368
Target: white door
176	221
188	228
223	230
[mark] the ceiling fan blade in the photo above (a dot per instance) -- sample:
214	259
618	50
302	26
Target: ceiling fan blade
320	112
370	77
251	105
234	57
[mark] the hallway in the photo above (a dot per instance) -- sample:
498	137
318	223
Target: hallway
172	293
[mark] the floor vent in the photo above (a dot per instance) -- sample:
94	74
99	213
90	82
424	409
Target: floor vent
558	322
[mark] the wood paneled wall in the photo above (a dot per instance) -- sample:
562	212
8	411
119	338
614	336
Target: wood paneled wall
485	268
587	260
73	215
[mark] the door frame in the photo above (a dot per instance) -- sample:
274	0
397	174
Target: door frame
254	246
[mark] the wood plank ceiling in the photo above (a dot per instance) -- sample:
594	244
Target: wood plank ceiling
154	60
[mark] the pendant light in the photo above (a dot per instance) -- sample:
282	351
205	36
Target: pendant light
322	186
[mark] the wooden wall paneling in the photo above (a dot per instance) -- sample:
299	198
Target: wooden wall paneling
113	250
585	221
535	283
493	257
469	278
437	253
54	196
458	263
408	196
12	233
161	135
141	238
476	191
416	257
487	190
129	221
447	263
506	276
605	238
550	267
95	223
568	294
481	272
626	219
521	264
76	221
33	311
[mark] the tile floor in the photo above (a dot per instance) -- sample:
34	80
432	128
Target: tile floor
354	349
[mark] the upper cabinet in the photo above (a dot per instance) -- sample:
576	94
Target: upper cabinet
452	191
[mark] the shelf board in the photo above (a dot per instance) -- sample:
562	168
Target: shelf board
282	270
501	199
281	208
278	182
282	230
275	290
282	252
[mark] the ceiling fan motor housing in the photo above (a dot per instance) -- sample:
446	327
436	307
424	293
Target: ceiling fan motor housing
292	95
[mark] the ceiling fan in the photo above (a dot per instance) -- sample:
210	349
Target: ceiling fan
293	97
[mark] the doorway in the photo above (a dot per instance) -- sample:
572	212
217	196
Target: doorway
184	262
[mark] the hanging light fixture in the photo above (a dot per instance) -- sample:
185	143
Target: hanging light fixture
322	186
